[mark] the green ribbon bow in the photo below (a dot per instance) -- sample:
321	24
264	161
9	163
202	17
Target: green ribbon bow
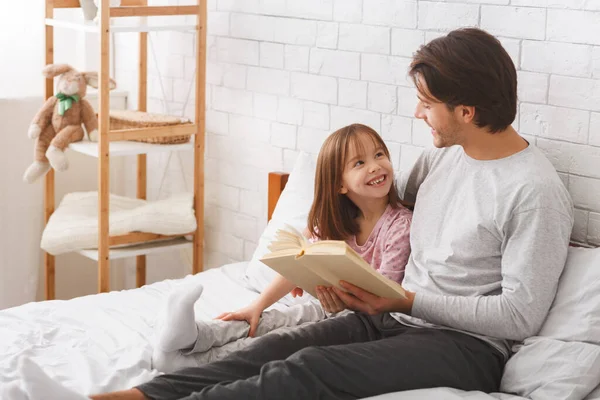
65	102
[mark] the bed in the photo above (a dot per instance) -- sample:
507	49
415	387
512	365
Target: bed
103	342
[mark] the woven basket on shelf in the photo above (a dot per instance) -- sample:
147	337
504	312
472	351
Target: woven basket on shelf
129	119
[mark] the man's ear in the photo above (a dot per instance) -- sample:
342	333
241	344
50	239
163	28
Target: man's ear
466	113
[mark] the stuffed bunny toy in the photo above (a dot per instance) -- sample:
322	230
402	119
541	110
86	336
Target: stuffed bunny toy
58	122
90	8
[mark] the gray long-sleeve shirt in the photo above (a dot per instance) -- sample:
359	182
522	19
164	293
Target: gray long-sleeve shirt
489	241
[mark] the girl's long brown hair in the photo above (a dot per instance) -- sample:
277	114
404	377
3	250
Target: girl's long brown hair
333	215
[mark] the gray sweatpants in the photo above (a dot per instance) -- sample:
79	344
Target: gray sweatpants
348	357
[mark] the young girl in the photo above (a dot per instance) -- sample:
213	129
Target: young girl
355	200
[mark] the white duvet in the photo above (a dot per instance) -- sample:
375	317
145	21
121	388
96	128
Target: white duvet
103	342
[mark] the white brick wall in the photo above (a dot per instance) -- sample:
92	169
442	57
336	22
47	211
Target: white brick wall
352	93
524	22
342	116
364	38
595	129
327	34
573	26
405	41
396	13
271	55
596	62
554	122
282	75
268	80
575	92
314	87
382	98
556	58
438	16
384	69
343	64
347	10
532	86
296	58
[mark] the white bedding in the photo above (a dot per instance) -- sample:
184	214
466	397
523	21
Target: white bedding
102	342
444	394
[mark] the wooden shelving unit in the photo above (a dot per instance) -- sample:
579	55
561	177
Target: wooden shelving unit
132	16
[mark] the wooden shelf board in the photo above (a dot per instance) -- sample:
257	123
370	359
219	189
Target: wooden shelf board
129	148
141	249
129	24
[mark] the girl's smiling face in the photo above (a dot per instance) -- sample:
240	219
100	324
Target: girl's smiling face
367	172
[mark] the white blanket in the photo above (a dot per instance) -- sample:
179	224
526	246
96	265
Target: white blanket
444	394
103	342
74	224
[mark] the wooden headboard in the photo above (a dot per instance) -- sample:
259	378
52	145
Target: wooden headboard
277	181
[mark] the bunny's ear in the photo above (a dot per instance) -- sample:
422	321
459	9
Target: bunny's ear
93	80
52	70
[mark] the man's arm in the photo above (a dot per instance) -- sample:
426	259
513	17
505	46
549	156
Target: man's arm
533	257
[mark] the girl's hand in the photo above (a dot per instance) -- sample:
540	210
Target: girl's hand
250	314
330	301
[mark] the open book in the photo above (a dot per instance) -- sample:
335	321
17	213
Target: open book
325	263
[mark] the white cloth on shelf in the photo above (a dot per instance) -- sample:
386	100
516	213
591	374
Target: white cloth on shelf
74	224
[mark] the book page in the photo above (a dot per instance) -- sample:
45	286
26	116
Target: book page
288	238
336	267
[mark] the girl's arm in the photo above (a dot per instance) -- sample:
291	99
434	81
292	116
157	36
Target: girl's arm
278	288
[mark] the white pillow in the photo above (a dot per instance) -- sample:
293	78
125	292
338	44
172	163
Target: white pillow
547	368
595	395
575	313
292	208
563	361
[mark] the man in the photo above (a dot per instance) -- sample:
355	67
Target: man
489	240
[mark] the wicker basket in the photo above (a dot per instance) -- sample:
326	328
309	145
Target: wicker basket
129	119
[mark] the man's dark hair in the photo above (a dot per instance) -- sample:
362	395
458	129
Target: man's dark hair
469	67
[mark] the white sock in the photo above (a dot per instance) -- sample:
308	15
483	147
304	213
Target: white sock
168	362
178	330
40	386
